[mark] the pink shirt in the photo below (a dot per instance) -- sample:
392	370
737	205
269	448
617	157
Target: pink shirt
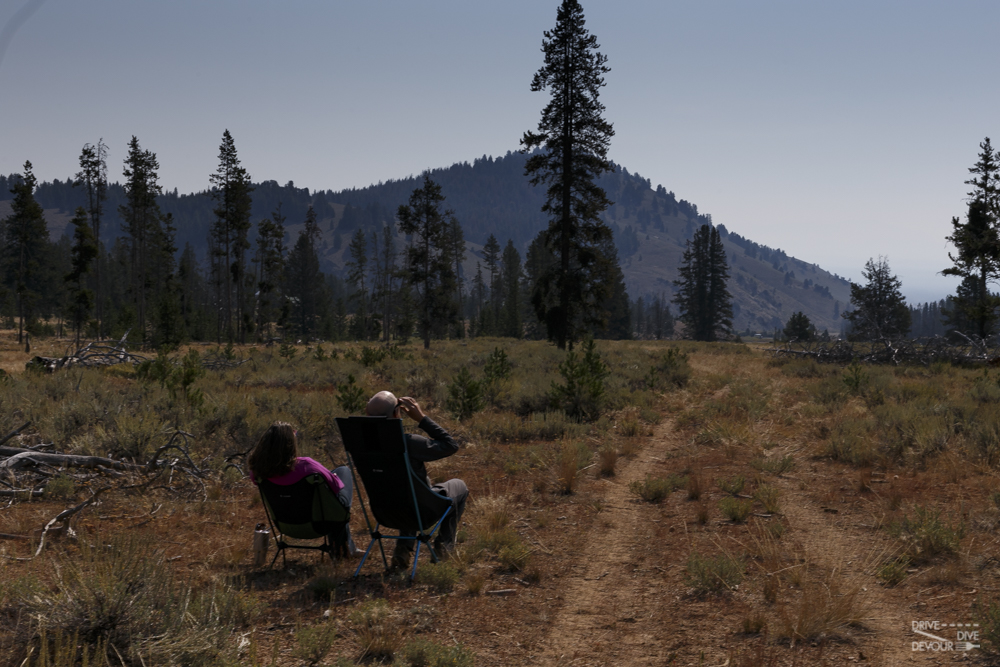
306	466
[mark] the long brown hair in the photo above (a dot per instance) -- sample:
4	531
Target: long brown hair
275	452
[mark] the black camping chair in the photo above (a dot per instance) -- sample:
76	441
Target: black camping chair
305	510
376	450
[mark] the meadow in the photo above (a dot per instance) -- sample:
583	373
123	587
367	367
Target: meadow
648	502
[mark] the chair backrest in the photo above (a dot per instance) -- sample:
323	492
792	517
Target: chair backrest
305	510
377	446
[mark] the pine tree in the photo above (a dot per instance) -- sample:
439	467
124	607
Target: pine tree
386	275
357	269
799	329
510	280
304	279
491	255
150	246
83	252
270	261
429	259
93	176
26	248
880	310
977	245
228	242
456	247
702	296
573	140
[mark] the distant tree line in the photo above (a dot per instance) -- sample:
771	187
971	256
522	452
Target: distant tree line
406	278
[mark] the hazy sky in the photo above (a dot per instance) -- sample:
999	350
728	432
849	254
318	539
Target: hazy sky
836	131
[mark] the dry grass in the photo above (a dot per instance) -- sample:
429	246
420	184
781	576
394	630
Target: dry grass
607	457
737	418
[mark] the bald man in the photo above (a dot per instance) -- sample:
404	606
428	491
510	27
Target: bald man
420	449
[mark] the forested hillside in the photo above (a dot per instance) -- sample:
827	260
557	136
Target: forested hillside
492	196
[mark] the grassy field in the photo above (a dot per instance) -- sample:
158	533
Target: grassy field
710	503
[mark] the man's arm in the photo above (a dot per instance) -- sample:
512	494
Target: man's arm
438	446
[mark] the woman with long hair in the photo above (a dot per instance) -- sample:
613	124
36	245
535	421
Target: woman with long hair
276	459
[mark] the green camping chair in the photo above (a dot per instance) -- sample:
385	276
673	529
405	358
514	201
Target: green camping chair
305	510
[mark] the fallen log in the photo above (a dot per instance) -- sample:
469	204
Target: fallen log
29	458
21	493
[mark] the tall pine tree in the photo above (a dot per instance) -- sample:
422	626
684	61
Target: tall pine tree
83	252
429	259
572	145
93	176
977	246
228	242
26	248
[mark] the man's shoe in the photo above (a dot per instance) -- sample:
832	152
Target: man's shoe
444	550
400	560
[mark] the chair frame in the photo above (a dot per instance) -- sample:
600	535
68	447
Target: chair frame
422	536
279	537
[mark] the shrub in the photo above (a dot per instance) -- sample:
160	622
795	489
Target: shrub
671	371
736	509
496	373
775	465
120	593
378	633
987	614
713	574
855	378
287	351
582	395
656	489
440	576
371	356
465	395
733	485
313	643
514	556
926	535
694	486
893	571
351	397
607	456
770	497
823	610
572	457
60	487
425	653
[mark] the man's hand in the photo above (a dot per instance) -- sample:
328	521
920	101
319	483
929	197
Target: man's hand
411	408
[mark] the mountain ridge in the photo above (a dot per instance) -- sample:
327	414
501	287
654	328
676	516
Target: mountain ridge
492	196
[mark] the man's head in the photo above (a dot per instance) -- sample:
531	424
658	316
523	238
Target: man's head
383	404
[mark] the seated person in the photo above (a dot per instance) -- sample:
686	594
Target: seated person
275	458
421	449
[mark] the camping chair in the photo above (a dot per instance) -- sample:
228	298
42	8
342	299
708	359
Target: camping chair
376	450
305	510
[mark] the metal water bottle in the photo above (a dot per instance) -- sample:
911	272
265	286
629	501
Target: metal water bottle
261	541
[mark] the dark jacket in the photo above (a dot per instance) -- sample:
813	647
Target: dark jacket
420	449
